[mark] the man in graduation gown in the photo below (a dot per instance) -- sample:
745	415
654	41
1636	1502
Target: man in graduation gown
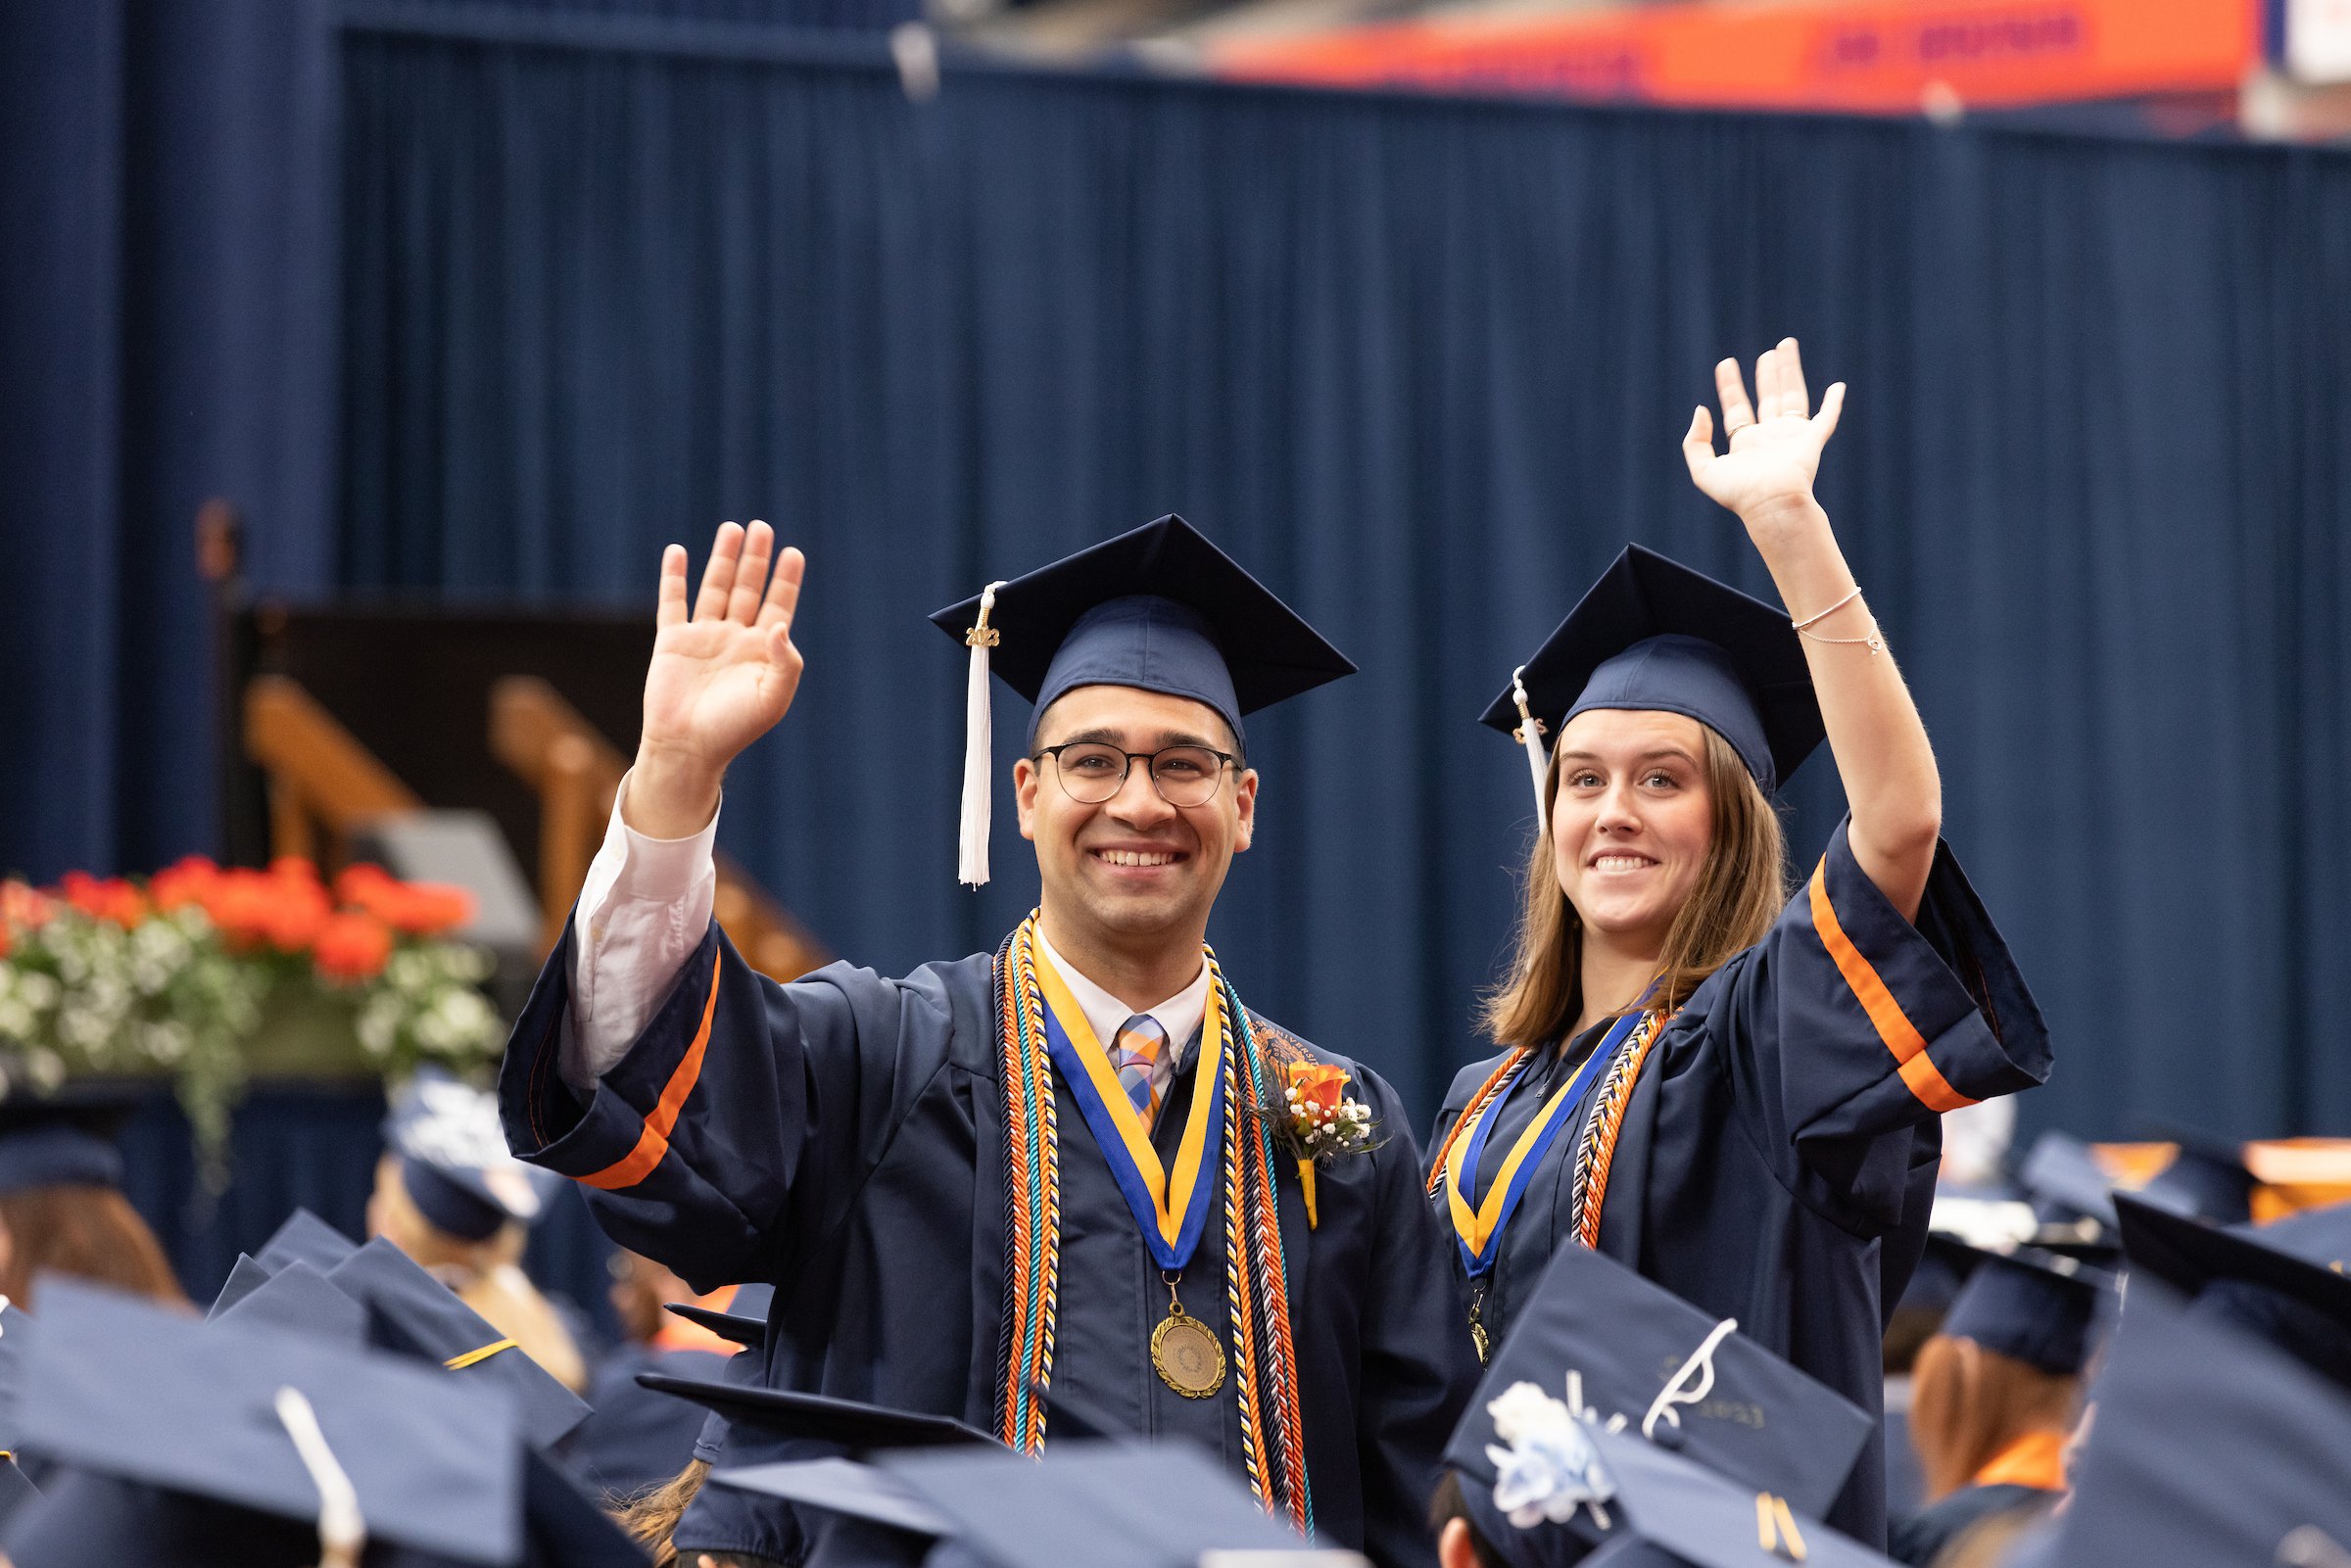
1070	1164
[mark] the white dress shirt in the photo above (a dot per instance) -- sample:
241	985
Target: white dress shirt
643	911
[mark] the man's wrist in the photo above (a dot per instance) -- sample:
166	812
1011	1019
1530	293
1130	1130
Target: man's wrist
668	796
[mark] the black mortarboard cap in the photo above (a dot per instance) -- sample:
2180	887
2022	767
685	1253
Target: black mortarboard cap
1762	1422
2320	1236
1663	1509
840	1486
2037	1307
849	1424
2065	1179
1107	1505
2206	1178
124	1390
1651	633
743	1322
2210	1448
300	1298
410	1312
307	1237
1157	607
2297	1304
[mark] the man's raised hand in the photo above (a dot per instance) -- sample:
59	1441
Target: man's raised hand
720	677
1775	445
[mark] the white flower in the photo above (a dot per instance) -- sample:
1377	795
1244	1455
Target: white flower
1551	1468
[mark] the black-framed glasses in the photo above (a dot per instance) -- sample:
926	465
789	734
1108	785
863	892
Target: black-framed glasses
1092	772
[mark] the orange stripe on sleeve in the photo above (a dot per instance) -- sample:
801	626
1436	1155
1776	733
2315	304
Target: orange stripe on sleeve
653	1142
1886	1015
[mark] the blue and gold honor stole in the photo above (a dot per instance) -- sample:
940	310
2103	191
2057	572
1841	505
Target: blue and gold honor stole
1227	1148
1478	1227
1171	1207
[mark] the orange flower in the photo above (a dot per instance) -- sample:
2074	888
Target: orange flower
351	948
185	883
23	906
1316	1088
284	906
110	898
413	908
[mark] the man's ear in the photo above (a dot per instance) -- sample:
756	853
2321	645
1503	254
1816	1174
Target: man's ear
1244	800
1025	780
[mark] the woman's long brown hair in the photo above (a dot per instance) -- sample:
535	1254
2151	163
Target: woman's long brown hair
86	1231
1739	894
1968	1403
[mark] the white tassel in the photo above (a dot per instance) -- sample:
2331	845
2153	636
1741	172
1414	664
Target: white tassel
979	749
341	1531
1530	736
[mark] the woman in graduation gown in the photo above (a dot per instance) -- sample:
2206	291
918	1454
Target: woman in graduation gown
1732	1090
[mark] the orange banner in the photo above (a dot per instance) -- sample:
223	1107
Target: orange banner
1868	56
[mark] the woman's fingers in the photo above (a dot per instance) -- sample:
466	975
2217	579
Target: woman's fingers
1698	444
1799	400
784	590
1832	407
670	609
750	576
1731	392
718	577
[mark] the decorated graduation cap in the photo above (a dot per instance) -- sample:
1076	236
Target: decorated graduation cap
1158	608
2041	1308
453	1161
1570	1491
1628	1349
1653	635
2209	1448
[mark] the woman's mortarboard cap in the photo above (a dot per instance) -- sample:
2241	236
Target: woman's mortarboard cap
743	1322
303	1238
2065	1178
2189	1255
1651	633
2035	1308
1762	1422
851	1425
66	1138
1159	608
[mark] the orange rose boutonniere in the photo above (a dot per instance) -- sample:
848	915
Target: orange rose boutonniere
1319	1120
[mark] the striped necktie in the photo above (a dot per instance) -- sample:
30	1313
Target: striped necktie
1135	1053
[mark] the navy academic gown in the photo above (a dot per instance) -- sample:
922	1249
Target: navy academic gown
1923	1538
841	1137
1778	1155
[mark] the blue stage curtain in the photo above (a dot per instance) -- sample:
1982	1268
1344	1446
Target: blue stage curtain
1424	365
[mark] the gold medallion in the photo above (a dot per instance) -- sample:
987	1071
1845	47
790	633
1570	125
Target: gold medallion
1187	1356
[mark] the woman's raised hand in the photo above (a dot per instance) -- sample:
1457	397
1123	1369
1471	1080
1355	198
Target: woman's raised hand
1775	444
720	677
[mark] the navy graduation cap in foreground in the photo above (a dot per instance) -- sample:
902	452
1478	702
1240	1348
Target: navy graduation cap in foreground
2298	1303
2209	1448
185	1445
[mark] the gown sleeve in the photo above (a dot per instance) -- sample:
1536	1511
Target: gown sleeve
1849	1026
1418	1367
742	1120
